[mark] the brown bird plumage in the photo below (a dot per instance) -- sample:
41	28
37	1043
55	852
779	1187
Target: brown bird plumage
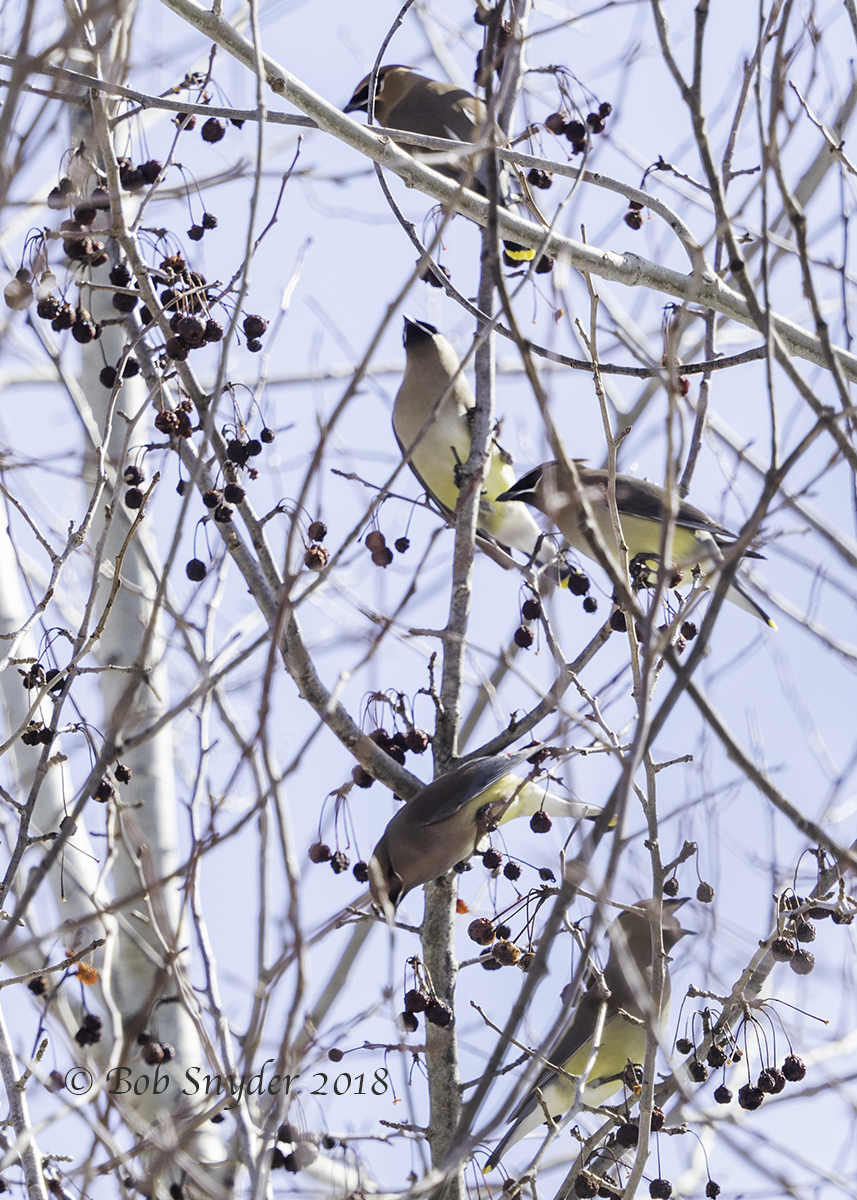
628	978
698	541
447	819
406	100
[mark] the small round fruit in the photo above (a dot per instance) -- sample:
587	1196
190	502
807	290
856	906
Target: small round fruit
794	1068
481	931
722	1094
782	949
195	570
750	1097
803	961
540	822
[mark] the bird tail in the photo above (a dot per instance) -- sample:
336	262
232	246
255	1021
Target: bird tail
533	796
739	595
498	1151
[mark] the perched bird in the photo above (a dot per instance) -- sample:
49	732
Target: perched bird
697	540
406	100
628	977
430	364
447	819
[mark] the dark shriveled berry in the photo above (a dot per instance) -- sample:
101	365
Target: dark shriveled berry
254	325
628	1135
234	493
705	893
512	871
712	1190
523	637
539	179
590	604
660	1189
782	949
317	531
416	740
750	1097
417	1000
319	852
540	822
133	498
698	1071
684	1045
361	777
439	1014
213	130
767	1081
409	1022
492	859
360	871
339	862
555	123
716	1057
722	1095
803	962
586	1186
481	931
577	583
531	609
794	1068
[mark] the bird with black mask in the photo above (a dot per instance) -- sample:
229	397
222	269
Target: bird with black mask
406	100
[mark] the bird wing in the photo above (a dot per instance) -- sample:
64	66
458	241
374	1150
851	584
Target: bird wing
446	796
639	498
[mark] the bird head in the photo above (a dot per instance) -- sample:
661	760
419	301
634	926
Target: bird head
385	883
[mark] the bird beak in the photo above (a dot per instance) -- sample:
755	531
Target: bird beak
671	907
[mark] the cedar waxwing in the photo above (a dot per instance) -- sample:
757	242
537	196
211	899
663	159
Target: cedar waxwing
430	364
447	819
628	977
697	540
414	103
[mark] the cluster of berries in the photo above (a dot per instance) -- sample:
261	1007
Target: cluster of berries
90	1030
303	1151
770	1081
503	952
105	790
320	852
576	131
317	556
423	1000
704	892
382	555
396	746
153	1052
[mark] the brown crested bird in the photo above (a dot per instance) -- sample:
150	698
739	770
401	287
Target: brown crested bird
447	819
628	978
440	448
698	541
406	100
